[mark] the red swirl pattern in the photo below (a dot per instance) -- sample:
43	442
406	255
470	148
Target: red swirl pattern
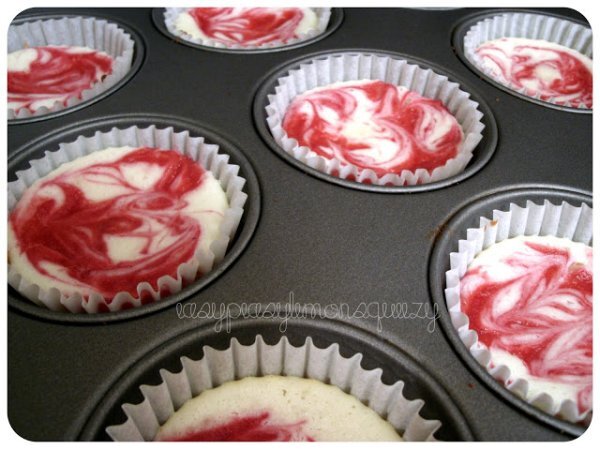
68	230
520	66
248	26
548	323
57	73
256	427
374	125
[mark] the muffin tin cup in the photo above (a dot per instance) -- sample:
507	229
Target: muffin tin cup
99	34
201	359
564	221
528	212
207	154
531	25
329	20
327	68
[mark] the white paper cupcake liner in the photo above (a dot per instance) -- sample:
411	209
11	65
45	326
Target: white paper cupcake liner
259	359
529	26
207	155
352	66
547	219
74	31
171	14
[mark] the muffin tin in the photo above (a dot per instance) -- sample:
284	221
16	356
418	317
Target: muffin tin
304	239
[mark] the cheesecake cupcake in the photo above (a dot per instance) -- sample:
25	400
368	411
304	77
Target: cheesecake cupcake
262	392
59	63
519	293
246	28
120	219
542	57
374	119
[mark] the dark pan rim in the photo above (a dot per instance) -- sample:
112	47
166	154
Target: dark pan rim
481	155
127	378
244	234
335	20
455	228
461	29
139	50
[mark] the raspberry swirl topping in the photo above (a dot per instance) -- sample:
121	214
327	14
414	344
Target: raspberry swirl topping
374	125
42	76
540	68
246	26
257	427
112	219
530	302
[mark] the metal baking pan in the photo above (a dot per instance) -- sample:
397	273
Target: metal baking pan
304	239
